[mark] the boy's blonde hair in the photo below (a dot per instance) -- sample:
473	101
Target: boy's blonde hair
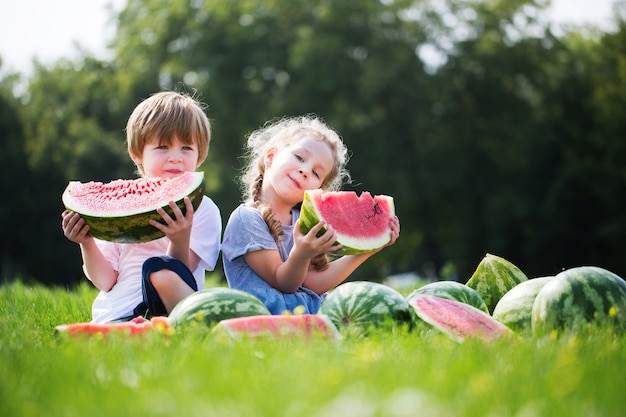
281	133
166	115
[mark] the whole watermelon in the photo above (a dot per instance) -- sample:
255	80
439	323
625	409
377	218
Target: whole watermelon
207	307
578	298
357	306
451	290
515	308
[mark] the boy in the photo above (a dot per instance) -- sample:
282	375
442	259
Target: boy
167	135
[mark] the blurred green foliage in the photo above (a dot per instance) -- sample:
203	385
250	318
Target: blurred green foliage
493	133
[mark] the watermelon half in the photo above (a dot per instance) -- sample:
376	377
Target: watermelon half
360	221
309	326
493	278
119	211
458	320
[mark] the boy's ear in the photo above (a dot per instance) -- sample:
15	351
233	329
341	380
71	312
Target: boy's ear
136	159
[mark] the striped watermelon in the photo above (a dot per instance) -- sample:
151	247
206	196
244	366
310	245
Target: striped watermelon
119	211
361	222
578	298
310	326
357	305
207	307
515	308
493	278
452	290
458	320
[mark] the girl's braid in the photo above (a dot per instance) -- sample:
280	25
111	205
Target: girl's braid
319	262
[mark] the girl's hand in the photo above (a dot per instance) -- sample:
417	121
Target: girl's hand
311	245
395	230
178	227
75	228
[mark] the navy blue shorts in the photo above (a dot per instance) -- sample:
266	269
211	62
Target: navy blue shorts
152	304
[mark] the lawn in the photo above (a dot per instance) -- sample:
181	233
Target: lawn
388	373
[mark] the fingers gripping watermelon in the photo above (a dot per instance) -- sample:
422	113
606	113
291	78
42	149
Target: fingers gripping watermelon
119	211
361	222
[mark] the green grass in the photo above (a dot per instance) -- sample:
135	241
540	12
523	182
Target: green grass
388	374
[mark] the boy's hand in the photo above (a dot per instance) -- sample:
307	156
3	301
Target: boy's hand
75	228
178	227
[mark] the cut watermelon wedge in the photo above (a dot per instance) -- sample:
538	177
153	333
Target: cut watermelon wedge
360	221
278	326
458	320
120	211
134	327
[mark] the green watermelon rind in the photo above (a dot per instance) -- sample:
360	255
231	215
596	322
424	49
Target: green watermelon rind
358	305
451	290
580	298
493	278
514	309
136	228
207	307
310	216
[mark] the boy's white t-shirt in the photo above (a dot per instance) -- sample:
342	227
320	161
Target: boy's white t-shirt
127	260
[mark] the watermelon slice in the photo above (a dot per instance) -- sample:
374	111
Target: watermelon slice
119	211
458	320
278	326
360	221
134	327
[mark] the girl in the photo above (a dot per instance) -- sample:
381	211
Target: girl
264	251
167	134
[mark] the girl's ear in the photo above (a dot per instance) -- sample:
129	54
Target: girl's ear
269	157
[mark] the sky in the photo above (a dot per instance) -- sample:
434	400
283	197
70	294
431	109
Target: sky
52	29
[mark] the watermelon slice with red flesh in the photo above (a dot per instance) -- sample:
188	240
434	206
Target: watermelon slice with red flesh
278	326
456	319
119	211
134	327
360	221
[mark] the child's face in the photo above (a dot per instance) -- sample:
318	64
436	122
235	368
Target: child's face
167	160
300	166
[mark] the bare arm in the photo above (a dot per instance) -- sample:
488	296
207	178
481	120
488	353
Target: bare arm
340	269
98	269
289	275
